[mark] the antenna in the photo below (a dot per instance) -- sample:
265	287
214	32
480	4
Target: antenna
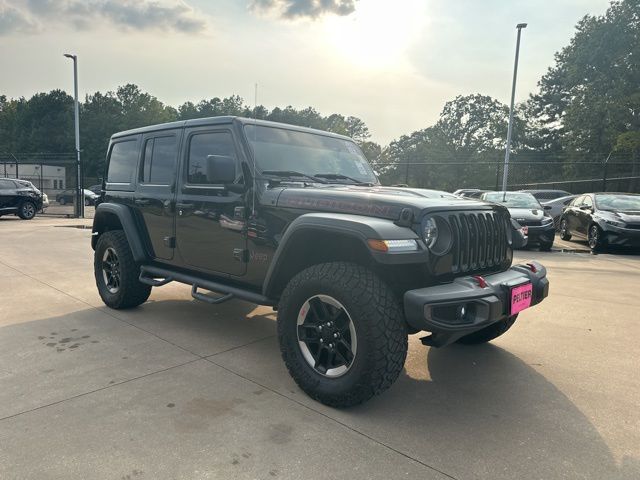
255	160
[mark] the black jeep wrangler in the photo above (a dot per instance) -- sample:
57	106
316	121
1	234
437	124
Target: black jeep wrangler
296	219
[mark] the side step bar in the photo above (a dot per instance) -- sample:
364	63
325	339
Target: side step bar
150	275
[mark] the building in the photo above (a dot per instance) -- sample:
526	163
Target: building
48	178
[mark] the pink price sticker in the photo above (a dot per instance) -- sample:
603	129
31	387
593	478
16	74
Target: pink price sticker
521	297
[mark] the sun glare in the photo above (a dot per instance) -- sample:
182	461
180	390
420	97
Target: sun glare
378	33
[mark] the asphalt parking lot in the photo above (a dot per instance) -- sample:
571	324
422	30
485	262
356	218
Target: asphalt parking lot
180	389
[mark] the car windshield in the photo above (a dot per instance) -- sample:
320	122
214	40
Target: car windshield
618	202
335	160
513	200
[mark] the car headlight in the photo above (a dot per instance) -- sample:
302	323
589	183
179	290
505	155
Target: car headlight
430	232
615	223
437	234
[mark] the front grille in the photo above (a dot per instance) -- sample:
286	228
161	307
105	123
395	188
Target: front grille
529	223
479	241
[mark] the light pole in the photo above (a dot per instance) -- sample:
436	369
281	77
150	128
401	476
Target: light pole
79	191
505	174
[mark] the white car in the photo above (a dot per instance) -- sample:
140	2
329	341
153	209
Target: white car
557	206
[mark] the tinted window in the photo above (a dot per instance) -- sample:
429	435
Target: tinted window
7	184
122	162
159	160
202	147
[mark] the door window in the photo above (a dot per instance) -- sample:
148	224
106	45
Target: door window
577	201
7	184
587	201
158	164
122	162
203	149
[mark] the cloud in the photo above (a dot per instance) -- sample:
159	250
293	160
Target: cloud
293	9
135	15
14	20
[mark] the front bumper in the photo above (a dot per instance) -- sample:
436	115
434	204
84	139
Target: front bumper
438	309
542	234
621	237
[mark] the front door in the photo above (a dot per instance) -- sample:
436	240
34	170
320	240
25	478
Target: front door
210	219
155	195
8	194
584	215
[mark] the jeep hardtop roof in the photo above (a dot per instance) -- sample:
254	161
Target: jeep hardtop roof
199	122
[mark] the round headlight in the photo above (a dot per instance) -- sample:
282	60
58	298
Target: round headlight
430	232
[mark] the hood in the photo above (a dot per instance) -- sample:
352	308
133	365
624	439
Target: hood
376	201
526	214
624	216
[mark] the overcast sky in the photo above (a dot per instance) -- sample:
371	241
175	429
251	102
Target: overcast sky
392	63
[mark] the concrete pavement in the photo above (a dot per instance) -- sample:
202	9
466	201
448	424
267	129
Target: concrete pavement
180	389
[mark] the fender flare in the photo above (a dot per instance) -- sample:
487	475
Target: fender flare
128	223
359	227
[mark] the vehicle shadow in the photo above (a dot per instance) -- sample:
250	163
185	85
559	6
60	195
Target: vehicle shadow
481	412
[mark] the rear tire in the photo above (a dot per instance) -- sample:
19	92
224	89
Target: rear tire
489	333
355	306
564	230
117	273
27	210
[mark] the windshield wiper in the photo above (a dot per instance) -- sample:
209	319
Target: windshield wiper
339	176
292	174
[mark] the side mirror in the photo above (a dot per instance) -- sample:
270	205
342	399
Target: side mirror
547	207
585	208
221	169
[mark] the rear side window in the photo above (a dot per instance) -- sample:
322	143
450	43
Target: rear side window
577	201
122	162
202	148
158	164
7	184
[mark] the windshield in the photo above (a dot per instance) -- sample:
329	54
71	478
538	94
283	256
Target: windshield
279	149
618	202
513	200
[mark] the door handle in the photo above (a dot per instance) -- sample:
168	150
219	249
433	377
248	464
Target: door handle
184	206
141	201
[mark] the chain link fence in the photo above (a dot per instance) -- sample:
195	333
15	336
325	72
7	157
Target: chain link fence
619	173
55	175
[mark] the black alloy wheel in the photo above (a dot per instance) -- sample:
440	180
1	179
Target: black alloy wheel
564	230
326	336
595	239
111	270
27	210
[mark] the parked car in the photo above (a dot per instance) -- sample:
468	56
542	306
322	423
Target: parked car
45	198
19	199
603	219
296	219
527	211
556	206
544	195
69	196
469	192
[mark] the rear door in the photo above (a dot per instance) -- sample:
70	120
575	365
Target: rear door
571	214
210	231
8	194
155	195
583	215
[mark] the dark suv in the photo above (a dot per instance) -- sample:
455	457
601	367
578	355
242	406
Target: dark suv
296	219
18	198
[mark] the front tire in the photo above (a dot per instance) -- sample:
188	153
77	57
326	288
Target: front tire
546	246
117	273
27	210
489	333
342	333
564	230
594	237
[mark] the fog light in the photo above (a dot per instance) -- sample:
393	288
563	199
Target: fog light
462	311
